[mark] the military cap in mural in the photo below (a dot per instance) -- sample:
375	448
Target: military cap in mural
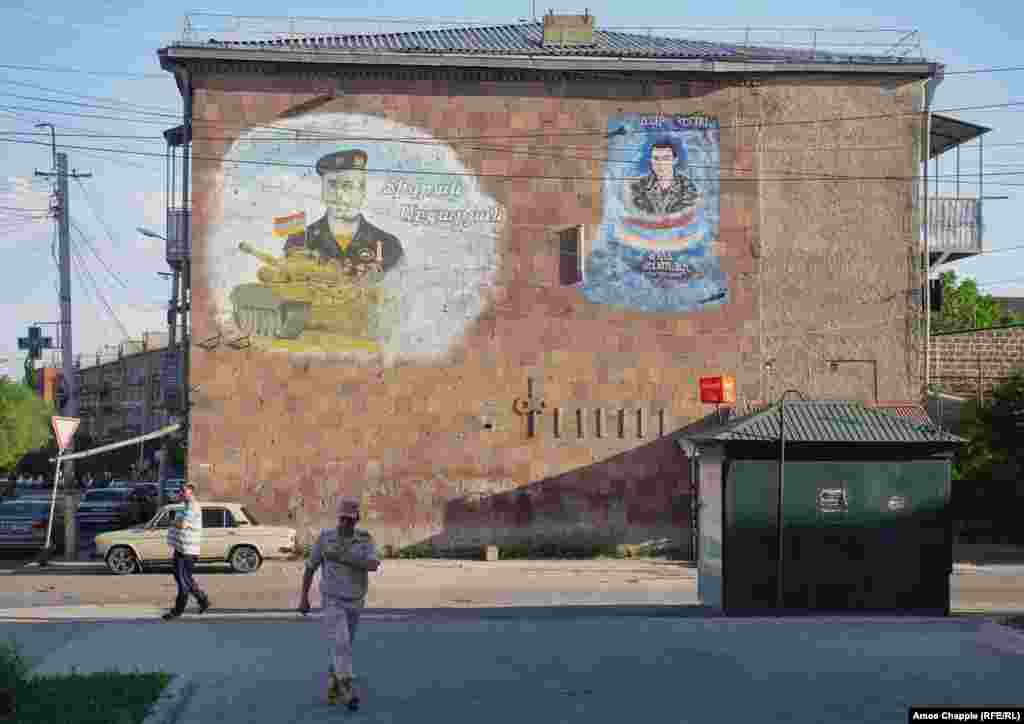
341	161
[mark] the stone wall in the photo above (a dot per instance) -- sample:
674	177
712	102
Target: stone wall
973	362
818	269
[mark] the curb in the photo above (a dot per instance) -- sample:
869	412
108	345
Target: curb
171	702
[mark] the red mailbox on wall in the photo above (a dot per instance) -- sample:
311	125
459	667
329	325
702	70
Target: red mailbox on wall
719	390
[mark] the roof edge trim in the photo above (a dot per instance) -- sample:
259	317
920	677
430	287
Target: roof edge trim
179	54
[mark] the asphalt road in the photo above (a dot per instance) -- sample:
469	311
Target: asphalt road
599	669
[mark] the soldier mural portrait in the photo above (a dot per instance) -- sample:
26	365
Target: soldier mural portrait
396	263
655	248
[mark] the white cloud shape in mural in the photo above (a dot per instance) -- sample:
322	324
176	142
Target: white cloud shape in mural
417	191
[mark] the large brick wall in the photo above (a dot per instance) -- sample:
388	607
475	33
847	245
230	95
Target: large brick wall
818	270
972	362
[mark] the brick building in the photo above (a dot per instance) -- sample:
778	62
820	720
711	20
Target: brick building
559	230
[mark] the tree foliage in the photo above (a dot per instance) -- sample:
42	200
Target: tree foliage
24	423
995	431
963	307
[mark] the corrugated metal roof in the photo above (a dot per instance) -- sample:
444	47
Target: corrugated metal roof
527	39
828	421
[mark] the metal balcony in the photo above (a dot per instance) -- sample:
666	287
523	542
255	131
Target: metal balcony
954	229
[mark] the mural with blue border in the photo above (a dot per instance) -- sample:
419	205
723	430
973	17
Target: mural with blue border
654	251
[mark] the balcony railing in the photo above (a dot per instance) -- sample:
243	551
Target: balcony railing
954	225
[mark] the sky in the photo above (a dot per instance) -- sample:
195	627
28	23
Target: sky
104	54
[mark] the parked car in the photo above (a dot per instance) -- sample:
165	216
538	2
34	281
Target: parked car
172	489
147	495
231	534
127	484
110	508
23	525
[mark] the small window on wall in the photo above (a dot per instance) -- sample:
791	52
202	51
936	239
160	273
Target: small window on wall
570	257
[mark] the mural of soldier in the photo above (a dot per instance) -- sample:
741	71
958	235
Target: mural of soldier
343	233
655	248
665	190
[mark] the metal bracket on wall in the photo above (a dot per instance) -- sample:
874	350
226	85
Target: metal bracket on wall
210	342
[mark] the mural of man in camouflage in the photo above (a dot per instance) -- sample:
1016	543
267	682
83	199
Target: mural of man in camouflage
665	190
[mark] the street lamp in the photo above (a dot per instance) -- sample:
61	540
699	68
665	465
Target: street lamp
53	139
147	232
782	463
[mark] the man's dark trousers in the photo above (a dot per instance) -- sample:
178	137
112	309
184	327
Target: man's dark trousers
183	566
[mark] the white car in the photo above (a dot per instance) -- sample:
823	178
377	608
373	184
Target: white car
230	534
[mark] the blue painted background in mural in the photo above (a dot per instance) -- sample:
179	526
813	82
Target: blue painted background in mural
654	250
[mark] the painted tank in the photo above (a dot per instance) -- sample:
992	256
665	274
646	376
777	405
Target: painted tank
302	292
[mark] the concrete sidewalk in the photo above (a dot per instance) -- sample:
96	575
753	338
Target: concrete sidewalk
602	664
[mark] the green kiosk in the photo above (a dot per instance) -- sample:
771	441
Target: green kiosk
865	520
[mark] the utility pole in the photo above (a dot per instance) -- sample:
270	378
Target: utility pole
780	587
64	229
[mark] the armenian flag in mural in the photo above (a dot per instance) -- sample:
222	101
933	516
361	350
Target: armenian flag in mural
655	250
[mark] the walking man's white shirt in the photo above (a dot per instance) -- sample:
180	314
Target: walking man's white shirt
344	556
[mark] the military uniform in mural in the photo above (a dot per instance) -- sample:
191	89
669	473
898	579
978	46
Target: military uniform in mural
345	555
343	176
649	197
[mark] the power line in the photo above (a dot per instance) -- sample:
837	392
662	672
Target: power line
85	270
64	69
96	254
510	177
118	101
64	101
539	134
94	207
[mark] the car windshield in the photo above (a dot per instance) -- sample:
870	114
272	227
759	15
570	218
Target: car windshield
163	518
106	495
250	516
19	509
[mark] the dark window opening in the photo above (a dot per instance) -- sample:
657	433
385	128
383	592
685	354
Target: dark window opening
570	255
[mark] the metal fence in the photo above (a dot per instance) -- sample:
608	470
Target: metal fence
866	42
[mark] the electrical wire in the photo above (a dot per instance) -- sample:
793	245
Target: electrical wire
505	177
540	134
97	255
99	294
118	101
94	207
64	69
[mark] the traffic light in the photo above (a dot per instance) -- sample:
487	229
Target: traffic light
935	294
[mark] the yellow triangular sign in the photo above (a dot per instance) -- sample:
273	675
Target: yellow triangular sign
64	428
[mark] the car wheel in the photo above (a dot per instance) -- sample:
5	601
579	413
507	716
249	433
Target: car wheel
122	561
245	559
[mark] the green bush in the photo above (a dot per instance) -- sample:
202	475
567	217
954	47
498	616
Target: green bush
13	669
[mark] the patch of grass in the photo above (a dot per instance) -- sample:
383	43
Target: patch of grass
417	550
104	698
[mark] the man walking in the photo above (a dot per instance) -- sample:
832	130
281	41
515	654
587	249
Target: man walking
185	536
347	554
